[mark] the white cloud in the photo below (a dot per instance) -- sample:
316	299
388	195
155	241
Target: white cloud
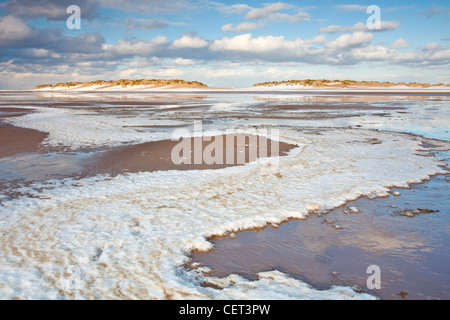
149	6
348	49
169	72
357	38
440	55
351	7
433	46
357	27
266	11
233	9
242	27
400	44
319	39
4	66
145	62
271	12
12	28
146	24
189	41
270	48
432	54
389	25
246	43
436	10
185	62
50	9
135	47
360	26
331	29
44	53
253	74
371	53
128	73
156	71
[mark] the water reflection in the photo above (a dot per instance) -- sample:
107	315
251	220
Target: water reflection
408	250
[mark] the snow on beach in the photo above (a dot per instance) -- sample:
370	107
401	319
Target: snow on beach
129	236
82	128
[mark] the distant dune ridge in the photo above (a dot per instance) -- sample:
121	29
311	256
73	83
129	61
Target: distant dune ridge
174	84
124	83
346	84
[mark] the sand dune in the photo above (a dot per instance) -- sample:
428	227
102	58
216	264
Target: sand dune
351	85
123	84
290	85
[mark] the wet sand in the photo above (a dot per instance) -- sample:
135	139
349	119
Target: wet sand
15	140
156	156
145	157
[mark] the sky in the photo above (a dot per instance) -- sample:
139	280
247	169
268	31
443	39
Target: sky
223	44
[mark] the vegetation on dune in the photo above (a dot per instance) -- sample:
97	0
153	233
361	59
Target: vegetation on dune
43	86
342	83
124	83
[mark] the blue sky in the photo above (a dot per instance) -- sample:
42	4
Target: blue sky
233	43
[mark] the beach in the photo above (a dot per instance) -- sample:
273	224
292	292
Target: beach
93	207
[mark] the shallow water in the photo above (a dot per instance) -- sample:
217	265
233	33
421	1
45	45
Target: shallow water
337	248
326	250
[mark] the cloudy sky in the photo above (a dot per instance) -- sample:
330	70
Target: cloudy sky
233	43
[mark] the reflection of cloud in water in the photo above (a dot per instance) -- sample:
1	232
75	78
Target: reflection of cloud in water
381	240
43	166
370	238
